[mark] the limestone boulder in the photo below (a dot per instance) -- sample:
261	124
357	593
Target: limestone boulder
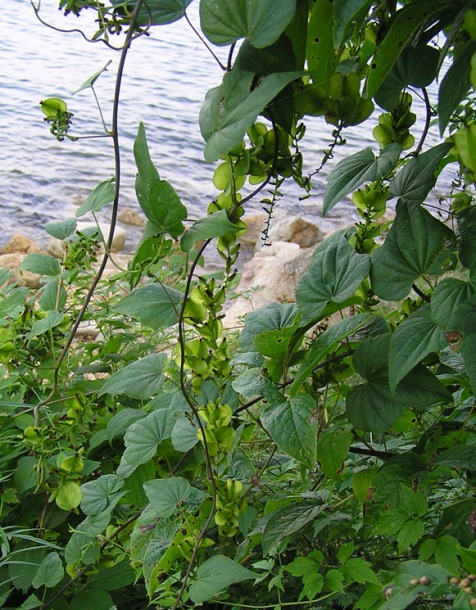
20	243
296	230
271	275
12	262
129	216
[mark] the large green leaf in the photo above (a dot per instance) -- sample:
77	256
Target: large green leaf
407	20
213	225
352	171
157	198
168	496
261	21
414	246
61	229
321	54
293	427
467	238
416	179
446	301
141	379
50	572
143	436
416	67
42	264
332	448
333	275
102	195
215	575
325	344
417	337
155	305
372	406
230	109
345	14
455	84
288	520
158	12
271	317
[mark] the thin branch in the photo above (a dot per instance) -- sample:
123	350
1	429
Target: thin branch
429	114
204	42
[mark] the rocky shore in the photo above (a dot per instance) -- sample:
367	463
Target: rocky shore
270	273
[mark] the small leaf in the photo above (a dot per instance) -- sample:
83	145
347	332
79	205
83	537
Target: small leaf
293	427
168	496
155	305
50	572
92	79
102	195
62	228
143	436
157	198
261	21
215	575
332	448
102	494
42	264
352	171
269	318
141	379
213	225
345	14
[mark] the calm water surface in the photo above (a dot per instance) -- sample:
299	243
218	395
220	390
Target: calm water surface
166	78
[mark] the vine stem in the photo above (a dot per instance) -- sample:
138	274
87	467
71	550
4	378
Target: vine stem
115	207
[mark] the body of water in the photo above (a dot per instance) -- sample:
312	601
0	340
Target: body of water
167	75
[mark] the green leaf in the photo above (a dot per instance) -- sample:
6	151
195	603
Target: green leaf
42	264
352	171
414	339
213	225
406	21
91	598
155	305
345	14
112	578
253	383
458	457
410	250
455	84
467	237
12	305
465	142
321	54
446	301
269	318
308	569
143	436
417	67
161	12
52	319
61	229
333	275
416	179
92	79
288	520
293	427
102	195
120	421
157	198
140	379
169	496
326	343
372	406
230	109
261	21
332	448
215	575
53	107
359	570
53	297
468	557
102	494
49	573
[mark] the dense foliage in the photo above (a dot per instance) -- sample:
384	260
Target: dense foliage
325	456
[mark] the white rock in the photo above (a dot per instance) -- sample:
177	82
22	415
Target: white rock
12	262
296	230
